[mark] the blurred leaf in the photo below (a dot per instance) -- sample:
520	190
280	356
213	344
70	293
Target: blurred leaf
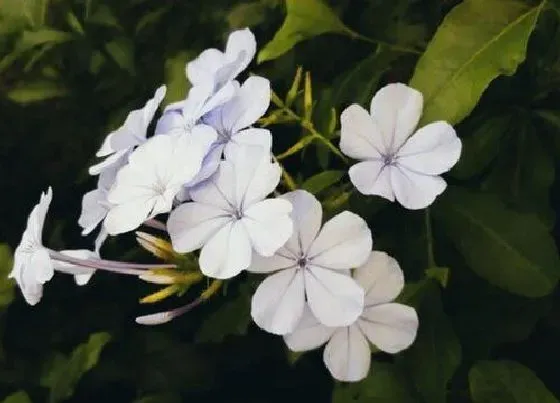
151	18
384	384
6	284
36	91
321	181
481	147
305	19
436	353
249	14
18	397
121	51
511	250
164	398
63	374
506	381
74	23
231	318
440	274
175	78
104	16
452	74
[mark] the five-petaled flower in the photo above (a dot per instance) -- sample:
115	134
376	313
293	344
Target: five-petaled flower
313	266
396	161
229	216
389	326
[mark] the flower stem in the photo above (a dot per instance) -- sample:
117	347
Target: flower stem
155	224
429	238
286	177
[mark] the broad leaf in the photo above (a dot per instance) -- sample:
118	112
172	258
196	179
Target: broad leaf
477	41
175	78
436	353
511	250
506	382
322	181
35	91
305	19
384	384
17	397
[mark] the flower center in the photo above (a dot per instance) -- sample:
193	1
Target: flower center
388	159
237	214
302	262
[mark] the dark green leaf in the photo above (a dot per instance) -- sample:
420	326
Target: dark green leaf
507	382
121	51
509	249
322	180
35	91
18	397
477	41
305	19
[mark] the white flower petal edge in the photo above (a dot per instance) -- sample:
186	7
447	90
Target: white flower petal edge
396	162
390	326
132	133
155	173
81	275
229	217
309	269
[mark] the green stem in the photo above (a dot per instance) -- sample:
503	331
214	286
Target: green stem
400	48
429	238
289	182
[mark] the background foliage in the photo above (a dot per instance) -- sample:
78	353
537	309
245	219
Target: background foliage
483	264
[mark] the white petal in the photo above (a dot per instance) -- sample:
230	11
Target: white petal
241	46
127	216
334	298
381	278
108	162
397	109
190	225
205	65
307	214
414	190
93	210
282	259
347	355
268	225
432	150
252	137
343	243
391	327
360	137
223	95
219	190
171	123
81	274
278	302
227	253
372	177
210	165
309	333
249	104
41	266
100	239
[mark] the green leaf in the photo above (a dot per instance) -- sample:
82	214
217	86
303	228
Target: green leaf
231	318
436	353
6	284
104	16
509	249
481	147
249	14
506	382
322	181
151	18
305	19
121	51
36	91
63	374
384	384
175	78
477	41
18	397
74	23
439	274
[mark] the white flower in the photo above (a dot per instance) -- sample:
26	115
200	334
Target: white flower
233	119
32	264
389	326
229	217
398	162
132	133
217	67
155	173
81	274
313	266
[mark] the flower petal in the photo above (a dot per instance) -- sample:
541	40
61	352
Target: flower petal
249	104
309	333
191	225
81	274
41	266
205	65
282	259
372	177
343	243
414	190
432	150
307	215
250	137
127	216
347	355
93	210
241	47
391	327
381	278
397	109
278	302
334	298
227	253
219	190
360	137
268	225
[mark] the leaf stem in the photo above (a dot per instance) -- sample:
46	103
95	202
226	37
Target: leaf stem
286	177
400	48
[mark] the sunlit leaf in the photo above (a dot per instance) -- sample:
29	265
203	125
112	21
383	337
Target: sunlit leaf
322	180
36	91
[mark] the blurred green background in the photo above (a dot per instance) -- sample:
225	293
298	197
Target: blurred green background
70	70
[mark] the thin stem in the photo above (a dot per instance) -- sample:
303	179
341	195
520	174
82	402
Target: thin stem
155	224
286	177
429	238
400	48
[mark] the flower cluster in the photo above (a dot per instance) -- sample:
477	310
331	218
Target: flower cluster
212	172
